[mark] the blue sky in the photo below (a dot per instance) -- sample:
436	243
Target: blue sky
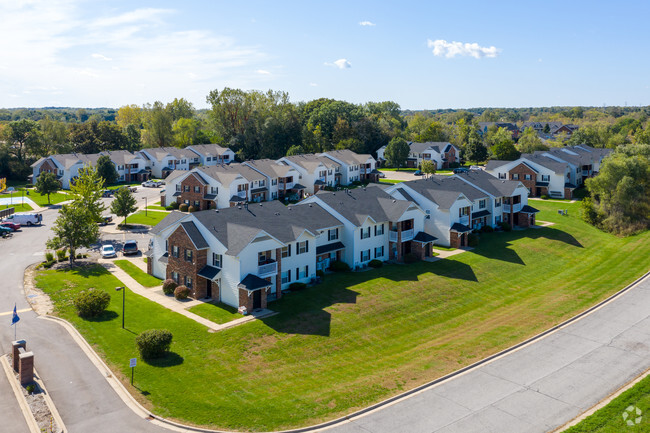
421	54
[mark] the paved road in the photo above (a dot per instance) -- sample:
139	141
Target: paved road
538	388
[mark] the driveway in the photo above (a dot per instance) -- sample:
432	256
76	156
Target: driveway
400	175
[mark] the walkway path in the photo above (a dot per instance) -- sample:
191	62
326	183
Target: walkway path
155	294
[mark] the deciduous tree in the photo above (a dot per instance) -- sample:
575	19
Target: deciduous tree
106	170
74	228
87	191
124	203
47	184
396	152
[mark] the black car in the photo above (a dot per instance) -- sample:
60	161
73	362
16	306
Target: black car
460	170
130	247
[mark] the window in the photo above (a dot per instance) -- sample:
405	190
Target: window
497	202
305	272
197	189
286	251
365	255
365	233
183	161
226	157
179	188
481	204
262	183
274	182
197	204
286	277
379	230
502	176
527	177
379	252
216	260
322	173
274	196
188	282
332	235
463	211
186	188
175	251
515	176
188	256
546	178
209	158
303	247
214	190
175	277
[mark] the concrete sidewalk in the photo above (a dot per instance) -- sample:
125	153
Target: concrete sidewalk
155	294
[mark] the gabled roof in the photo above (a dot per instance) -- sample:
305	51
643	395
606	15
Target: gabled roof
445	190
195	235
226	174
495	163
253	282
170	219
310	161
208	149
545	161
120	157
269	167
159	153
433	145
490	184
174	174
68	160
237	226
359	204
348	157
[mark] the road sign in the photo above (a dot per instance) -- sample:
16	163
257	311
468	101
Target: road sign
133	362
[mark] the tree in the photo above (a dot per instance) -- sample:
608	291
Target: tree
547	129
158	126
396	152
180	109
47	184
23	137
295	150
185	131
106	170
124	203
129	115
74	228
529	142
475	150
87	190
428	167
435	132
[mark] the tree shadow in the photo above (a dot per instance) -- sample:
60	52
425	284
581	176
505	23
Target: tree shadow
171	359
105	316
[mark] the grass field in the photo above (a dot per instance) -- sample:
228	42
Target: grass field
150	219
217	312
156	208
17	207
137	273
391	181
40	200
358	338
609	419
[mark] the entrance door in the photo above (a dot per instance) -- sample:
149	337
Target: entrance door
257	299
208	289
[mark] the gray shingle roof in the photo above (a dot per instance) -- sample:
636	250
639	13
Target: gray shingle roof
226	174
208	149
170	219
269	167
489	183
253	282
358	204
348	157
310	162
195	235
495	163
445	190
438	146
161	152
545	161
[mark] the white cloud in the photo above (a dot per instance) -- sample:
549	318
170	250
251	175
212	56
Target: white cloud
367	24
313	84
453	49
100	57
263	72
340	63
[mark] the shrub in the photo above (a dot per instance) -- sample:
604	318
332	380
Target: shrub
544	197
339	266
91	302
472	240
297	286
320	273
174	205
153	343
505	226
168	286
410	258
170	207
375	263
181	292
30	388
487	229
183	207
49	264
60	255
191	209
49	256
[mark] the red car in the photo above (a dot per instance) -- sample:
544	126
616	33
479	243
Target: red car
12	226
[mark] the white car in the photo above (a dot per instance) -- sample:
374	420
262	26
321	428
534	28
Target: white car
149	184
108	251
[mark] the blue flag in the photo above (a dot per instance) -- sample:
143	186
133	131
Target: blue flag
15	318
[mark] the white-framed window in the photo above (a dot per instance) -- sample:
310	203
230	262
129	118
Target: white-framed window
497	202
365	233
379	229
216	260
332	235
304	272
322	173
274	182
286	251
175	277
188	282
364	255
197	204
186	188
286	277
527	177
515	176
379	252
209	158
214	190
175	251
303	247
178	188
189	255
502	176
183	161
481	204
262	183
197	189
546	178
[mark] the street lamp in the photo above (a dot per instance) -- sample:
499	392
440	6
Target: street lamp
145	206
123	289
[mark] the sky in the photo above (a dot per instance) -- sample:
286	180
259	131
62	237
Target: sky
420	54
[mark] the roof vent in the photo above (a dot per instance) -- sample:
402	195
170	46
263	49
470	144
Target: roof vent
238	206
260	204
217	211
309	204
394	201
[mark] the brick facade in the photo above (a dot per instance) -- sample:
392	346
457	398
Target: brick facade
568	193
48	167
246	299
450	157
185	268
457	240
522	170
526	220
190	197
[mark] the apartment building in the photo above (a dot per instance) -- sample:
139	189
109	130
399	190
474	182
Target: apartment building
355	167
315	172
281	178
212	154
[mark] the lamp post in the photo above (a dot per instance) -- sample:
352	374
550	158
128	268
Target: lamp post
123	289
145	206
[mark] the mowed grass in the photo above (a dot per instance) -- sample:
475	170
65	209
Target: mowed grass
609	419
150	219
391	181
21	207
156	208
40	200
216	312
358	338
137	273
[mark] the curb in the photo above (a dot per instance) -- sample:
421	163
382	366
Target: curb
50	404
130	401
24	408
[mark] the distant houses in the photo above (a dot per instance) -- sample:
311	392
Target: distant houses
445	155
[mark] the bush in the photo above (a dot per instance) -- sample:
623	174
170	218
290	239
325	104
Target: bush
153	343
181	292
60	255
375	263
92	302
191	209
487	229
320	273
183	207
174	205
505	226
170	207
454	165
472	240
48	264
168	286
30	388
339	266
411	258
49	257
544	197
294	287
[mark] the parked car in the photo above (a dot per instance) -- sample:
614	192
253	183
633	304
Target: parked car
108	193
149	184
382	175
108	251
105	220
460	170
4	231
25	219
418	173
130	247
12	226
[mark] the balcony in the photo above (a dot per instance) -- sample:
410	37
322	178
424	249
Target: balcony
392	236
407	235
241	194
464	220
267	269
515	208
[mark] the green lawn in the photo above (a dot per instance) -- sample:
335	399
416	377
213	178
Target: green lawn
397	169
609	419
390	181
150	219
359	338
156	208
137	273
440	247
40	200
217	312
17	207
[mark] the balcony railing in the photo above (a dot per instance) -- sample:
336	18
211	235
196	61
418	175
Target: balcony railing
515	207
392	236
407	235
464	220
241	194
267	269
